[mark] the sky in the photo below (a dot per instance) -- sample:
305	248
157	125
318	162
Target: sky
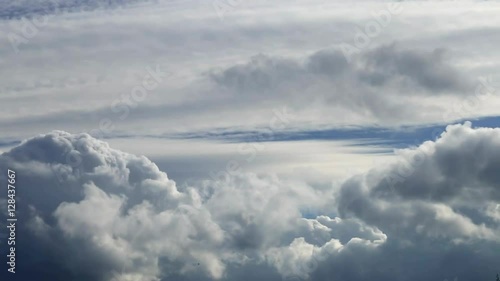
242	140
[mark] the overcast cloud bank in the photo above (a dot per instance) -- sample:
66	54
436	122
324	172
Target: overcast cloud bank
116	216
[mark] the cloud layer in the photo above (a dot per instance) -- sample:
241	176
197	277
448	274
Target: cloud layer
93	212
382	83
71	68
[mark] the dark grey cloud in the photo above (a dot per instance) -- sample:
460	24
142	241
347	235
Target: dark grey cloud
441	192
260	73
381	83
409	71
74	190
430	71
117	211
433	219
459	168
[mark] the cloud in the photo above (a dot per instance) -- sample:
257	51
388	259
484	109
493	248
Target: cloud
128	221
88	60
435	186
118	211
419	72
444	190
426	70
383	82
90	212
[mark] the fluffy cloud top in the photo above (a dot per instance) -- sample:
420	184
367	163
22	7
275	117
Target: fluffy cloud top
93	212
126	220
